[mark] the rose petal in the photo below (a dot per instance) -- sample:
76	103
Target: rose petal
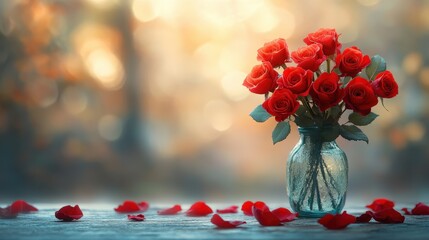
170	211
143	206
7	212
131	206
388	215
220	223
231	209
264	216
337	221
406	211
69	213
420	209
364	218
380	204
136	218
284	214
247	208
199	209
21	206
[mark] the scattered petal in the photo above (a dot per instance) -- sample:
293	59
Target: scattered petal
136	218
143	206
284	214
247	208
419	209
170	211
388	215
220	223
21	206
380	204
131	206
199	209
231	209
406	211
69	213
337	221
264	216
7	212
364	218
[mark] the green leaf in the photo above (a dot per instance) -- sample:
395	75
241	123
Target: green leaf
281	131
346	80
330	134
334	111
337	71
351	132
259	114
360	120
382	103
377	65
303	117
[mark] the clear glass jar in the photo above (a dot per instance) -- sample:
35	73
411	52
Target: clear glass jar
317	173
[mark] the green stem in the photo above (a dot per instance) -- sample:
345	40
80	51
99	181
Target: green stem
304	101
322	169
328	65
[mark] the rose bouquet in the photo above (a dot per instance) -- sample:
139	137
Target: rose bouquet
325	82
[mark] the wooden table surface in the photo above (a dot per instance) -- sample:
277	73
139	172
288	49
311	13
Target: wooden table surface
101	222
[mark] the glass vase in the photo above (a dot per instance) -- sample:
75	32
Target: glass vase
317	173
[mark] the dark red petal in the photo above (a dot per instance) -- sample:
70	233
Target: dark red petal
128	207
420	209
220	223
260	205
337	221
406	211
284	214
199	209
7	212
22	206
170	211
264	216
69	213
247	208
143	206
388	215
380	204
364	218
137	218
231	209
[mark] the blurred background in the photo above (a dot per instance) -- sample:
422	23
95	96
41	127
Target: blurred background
110	99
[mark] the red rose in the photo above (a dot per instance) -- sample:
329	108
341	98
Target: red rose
262	79
297	80
328	38
351	61
281	104
359	96
384	85
326	91
276	52
309	57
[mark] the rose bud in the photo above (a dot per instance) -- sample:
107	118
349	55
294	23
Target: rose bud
326	91
262	79
351	61
385	85
297	80
328	38
276	52
281	104
359	96
309	57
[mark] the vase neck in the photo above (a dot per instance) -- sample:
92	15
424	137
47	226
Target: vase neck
314	134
